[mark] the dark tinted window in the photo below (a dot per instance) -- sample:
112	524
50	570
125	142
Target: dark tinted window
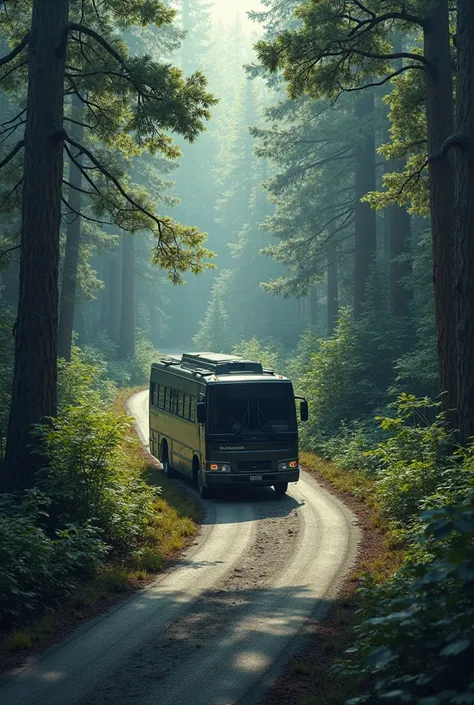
180	404
192	415
187	406
167	399
161	397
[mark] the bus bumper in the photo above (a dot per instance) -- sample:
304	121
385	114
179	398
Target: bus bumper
268	479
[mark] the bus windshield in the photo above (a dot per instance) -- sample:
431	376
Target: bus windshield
242	409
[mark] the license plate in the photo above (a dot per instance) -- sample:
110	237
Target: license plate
255	478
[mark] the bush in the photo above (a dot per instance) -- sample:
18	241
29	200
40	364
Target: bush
38	569
412	458
257	352
121	373
86	477
416	643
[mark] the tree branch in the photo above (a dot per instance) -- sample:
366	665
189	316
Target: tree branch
83	29
12	69
456	141
13	119
10	249
14	151
116	183
9	57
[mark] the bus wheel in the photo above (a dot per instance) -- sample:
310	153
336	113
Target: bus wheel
204	492
281	487
167	470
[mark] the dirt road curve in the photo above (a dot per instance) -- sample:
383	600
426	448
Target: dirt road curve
210	631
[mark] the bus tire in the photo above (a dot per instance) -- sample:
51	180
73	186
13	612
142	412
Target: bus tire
281	488
204	491
167	469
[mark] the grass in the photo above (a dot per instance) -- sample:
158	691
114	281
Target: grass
19	640
355	482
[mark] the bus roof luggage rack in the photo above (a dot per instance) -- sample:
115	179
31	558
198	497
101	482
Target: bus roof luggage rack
215	364
169	360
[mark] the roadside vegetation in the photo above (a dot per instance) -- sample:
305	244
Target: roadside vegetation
336	185
408	634
100	521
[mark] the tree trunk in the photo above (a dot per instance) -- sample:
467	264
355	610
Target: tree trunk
113	293
401	295
365	216
333	293
127	318
73	237
34	377
440	118
314	307
464	250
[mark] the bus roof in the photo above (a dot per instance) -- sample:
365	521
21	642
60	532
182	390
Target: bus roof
215	367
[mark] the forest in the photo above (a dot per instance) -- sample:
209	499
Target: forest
295	185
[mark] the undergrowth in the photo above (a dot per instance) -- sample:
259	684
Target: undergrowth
101	521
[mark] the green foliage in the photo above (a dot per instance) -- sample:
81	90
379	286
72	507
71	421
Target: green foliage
86	477
270	358
131	104
416	641
38	567
411	458
213	331
84	381
351	372
111	372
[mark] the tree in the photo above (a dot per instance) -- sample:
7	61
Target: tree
346	45
127	318
365	223
464	253
139	85
34	377
73	238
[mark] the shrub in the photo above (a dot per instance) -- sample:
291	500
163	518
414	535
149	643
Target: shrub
37	569
412	458
416	643
86	477
254	350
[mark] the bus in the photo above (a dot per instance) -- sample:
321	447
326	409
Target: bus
223	421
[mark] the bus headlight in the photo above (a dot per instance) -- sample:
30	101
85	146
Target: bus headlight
219	467
285	465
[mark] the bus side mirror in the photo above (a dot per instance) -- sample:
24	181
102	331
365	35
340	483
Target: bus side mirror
304	413
201	412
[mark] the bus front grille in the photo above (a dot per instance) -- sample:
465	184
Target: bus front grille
253	466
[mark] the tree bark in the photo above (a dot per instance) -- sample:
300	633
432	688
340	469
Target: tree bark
440	118
73	238
127	318
332	293
401	295
34	377
464	249
365	216
113	293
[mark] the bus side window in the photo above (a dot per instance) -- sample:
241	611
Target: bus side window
180	404
174	401
154	394
161	397
187	406
167	399
192	416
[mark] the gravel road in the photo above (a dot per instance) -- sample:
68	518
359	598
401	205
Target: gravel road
214	629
